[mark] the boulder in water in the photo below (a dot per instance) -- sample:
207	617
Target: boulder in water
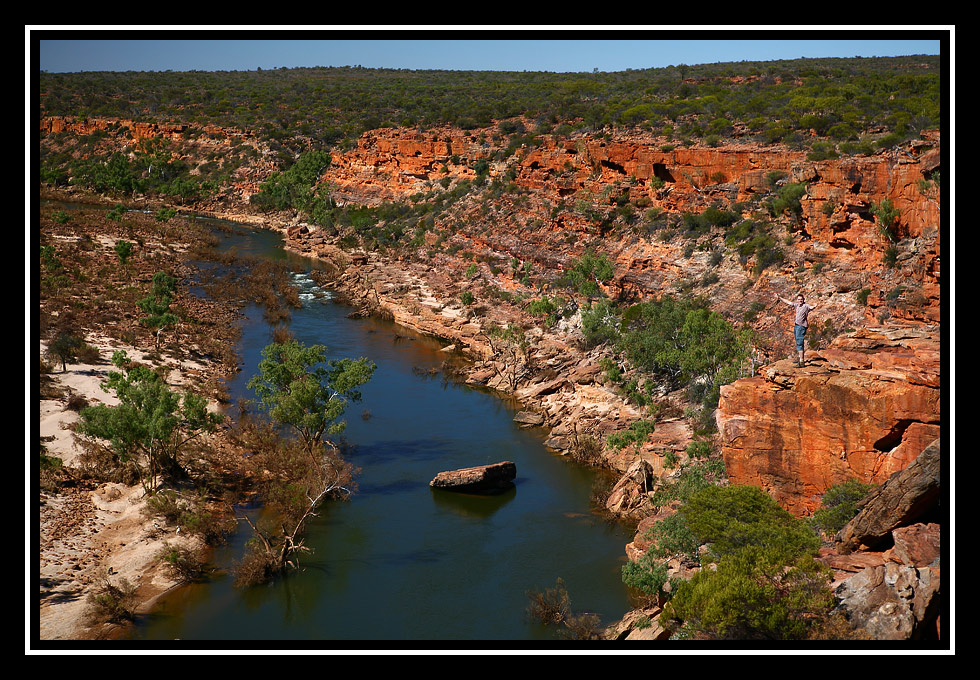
479	478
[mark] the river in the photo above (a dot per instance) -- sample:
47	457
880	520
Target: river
399	560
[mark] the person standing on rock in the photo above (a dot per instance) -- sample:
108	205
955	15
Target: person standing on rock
800	323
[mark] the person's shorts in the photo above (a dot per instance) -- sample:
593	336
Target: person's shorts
799	332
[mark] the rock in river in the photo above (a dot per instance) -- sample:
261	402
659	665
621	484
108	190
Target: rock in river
479	478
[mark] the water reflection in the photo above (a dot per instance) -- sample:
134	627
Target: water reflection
474	505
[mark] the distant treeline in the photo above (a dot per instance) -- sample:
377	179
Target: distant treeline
842	100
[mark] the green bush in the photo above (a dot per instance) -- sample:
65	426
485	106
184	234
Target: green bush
680	341
636	434
693	477
788	200
586	273
754	594
672	536
546	307
647	575
600	323
839	505
766	584
733	517
886	214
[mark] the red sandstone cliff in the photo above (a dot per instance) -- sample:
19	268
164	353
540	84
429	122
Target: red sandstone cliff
863	409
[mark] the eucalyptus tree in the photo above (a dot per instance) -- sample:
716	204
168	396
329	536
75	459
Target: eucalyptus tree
151	424
306	395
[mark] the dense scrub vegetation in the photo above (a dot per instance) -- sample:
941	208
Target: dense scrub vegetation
319	107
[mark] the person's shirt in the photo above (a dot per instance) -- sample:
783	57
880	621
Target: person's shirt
802	311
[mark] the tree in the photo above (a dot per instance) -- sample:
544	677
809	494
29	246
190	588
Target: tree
307	394
887	216
680	340
156	304
711	344
303	391
293	485
66	347
150	425
587	272
124	249
511	347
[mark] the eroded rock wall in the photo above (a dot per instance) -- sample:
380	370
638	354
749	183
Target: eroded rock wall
862	409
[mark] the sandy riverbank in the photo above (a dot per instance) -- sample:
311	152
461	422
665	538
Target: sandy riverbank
93	530
89	530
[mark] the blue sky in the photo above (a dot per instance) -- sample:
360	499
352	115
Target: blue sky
535	49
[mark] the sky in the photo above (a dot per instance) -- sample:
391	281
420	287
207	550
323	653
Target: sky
60	49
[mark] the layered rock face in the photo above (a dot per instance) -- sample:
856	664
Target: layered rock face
836	230
133	129
862	409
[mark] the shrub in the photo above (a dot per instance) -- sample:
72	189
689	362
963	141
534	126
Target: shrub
184	564
754	594
648	575
890	258
886	215
547	307
773	176
766	584
257	565
123	250
839	505
672	536
599	323
681	341
733	517
112	602
699	449
553	607
788	200
66	346
693	478
586	273
636	434
165	214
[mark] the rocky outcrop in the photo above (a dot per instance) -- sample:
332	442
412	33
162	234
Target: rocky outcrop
480	478
639	624
573	179
893	601
131	128
906	497
887	559
862	409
